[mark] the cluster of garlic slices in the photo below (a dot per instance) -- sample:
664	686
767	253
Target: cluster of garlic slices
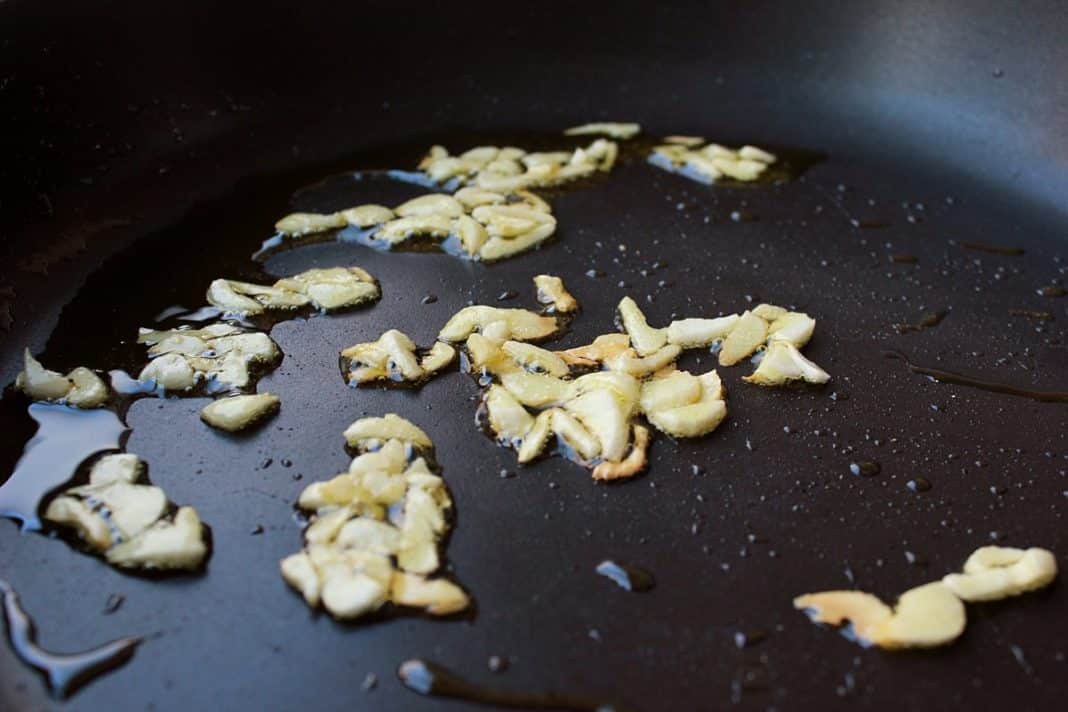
933	614
475	223
117	513
376	530
131	523
705	162
585	400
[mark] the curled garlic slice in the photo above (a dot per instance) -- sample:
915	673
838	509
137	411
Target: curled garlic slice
993	572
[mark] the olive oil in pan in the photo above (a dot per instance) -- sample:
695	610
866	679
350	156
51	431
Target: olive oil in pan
64	672
992	386
65	438
628	577
432	680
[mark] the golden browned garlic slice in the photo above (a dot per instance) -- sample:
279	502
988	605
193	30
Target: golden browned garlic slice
80	388
240	412
126	521
994	572
611	129
683	155
924	617
375	532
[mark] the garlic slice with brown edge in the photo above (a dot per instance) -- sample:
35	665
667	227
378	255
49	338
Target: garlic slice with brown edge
240	412
631	465
783	363
994	572
924	617
552	293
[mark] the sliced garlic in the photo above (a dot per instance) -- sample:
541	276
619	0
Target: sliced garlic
80	388
575	435
924	617
507	416
783	363
863	610
535	358
438	597
522	325
698	333
333	288
535	390
536	438
769	312
793	327
552	293
298	224
631	465
645	339
747	335
617	130
367	215
433	204
682	154
370	433
220	354
240	412
607	418
177	544
393	357
376	529
993	573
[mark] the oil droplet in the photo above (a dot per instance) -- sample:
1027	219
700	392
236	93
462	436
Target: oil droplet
429	299
63	672
65	438
868	468
1053	290
918	484
631	578
427	678
497	663
747	638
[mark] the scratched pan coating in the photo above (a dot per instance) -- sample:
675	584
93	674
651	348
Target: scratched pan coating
772	509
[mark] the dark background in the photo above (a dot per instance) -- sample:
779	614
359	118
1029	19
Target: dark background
131	124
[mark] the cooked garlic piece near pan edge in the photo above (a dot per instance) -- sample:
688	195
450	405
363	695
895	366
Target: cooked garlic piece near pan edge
611	129
128	522
376	530
707	164
325	289
80	388
934	614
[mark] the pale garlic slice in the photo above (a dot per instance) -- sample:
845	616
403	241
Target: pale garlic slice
697	333
782	363
126	521
552	293
993	572
80	388
518	324
220	355
670	412
745	337
240	412
393	357
611	129
710	163
375	533
645	339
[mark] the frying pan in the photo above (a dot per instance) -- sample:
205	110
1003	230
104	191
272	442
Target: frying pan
152	148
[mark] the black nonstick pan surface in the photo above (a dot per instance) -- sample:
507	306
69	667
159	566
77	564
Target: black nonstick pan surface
151	149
